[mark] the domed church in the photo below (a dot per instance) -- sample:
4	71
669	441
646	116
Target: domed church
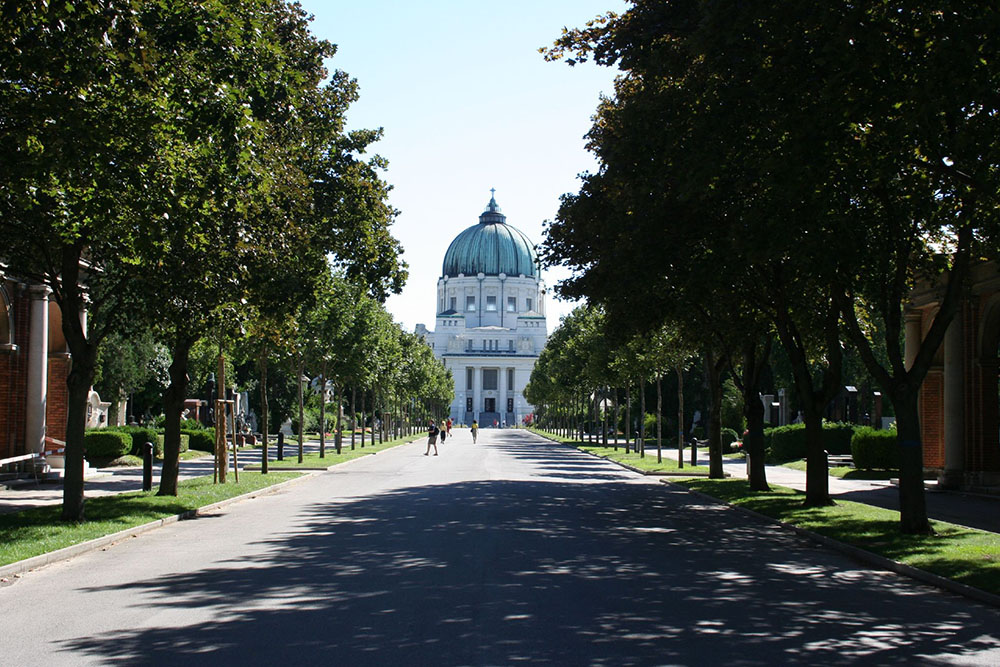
490	321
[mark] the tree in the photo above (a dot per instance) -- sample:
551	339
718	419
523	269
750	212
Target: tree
80	117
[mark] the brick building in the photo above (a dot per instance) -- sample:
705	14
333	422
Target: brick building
34	364
959	406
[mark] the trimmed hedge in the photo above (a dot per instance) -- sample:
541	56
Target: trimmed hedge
106	444
140	436
729	436
158	445
874	449
788	443
202	439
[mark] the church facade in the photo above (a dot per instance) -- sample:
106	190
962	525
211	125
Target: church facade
490	325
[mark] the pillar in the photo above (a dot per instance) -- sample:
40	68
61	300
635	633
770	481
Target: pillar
913	335
954	405
502	394
477	392
38	369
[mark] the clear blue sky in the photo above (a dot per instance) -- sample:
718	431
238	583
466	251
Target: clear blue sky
467	104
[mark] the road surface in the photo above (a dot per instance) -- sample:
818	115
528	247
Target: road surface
514	550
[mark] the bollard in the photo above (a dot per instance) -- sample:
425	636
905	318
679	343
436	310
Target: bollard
147	466
281	446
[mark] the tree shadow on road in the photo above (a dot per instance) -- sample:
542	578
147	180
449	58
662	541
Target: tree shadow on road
551	572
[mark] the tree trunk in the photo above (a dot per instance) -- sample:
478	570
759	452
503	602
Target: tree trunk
713	370
817	468
912	504
173	406
322	412
354	414
753	410
604	418
337	439
302	407
659	419
628	416
364	420
263	411
753	444
614	421
78	383
641	445
680	417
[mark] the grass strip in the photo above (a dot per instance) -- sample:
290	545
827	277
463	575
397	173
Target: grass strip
647	463
632	458
39	530
313	460
965	555
846	472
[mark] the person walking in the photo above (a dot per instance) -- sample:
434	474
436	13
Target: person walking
432	438
475	430
448	426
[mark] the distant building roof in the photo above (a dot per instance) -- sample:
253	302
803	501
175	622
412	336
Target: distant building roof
491	247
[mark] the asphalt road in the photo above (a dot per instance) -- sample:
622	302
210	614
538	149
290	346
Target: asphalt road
512	550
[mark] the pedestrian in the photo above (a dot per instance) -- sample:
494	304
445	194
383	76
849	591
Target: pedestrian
444	432
448	425
432	438
475	430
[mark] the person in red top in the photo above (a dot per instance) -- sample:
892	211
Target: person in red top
448	426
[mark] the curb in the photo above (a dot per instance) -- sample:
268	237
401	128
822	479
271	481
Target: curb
66	553
863	555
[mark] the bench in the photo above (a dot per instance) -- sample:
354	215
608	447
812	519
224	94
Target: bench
840	461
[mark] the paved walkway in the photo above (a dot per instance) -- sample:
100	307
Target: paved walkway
25	493
975	511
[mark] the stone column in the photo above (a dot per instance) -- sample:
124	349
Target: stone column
502	394
954	406
38	369
477	392
912	335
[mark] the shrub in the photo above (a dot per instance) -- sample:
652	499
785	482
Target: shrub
106	444
140	436
837	437
158	445
202	439
729	436
874	449
191	424
312	420
788	443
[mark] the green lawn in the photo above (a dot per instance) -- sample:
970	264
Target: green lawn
646	464
846	472
313	460
968	556
37	531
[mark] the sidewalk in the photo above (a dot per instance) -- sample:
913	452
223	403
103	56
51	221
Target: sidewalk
974	511
25	493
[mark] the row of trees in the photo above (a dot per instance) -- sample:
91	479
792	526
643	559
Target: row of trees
785	172
182	168
582	369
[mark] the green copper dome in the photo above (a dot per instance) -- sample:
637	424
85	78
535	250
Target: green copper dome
491	247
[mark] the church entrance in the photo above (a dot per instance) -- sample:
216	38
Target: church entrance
490	405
